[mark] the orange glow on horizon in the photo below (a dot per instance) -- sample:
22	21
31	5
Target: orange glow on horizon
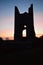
12	37
38	35
9	38
7	34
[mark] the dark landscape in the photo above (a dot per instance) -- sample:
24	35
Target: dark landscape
12	52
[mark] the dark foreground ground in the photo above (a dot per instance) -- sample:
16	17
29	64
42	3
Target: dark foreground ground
21	53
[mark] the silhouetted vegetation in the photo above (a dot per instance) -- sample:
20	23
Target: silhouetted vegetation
1	39
7	38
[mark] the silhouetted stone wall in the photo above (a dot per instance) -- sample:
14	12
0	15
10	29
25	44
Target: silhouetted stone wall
24	19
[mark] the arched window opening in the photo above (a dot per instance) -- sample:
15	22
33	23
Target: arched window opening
24	33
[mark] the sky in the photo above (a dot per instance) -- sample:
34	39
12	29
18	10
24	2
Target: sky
7	15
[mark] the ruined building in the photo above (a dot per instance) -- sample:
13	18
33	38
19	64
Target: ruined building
24	21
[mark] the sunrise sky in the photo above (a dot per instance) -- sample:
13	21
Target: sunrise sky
7	15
